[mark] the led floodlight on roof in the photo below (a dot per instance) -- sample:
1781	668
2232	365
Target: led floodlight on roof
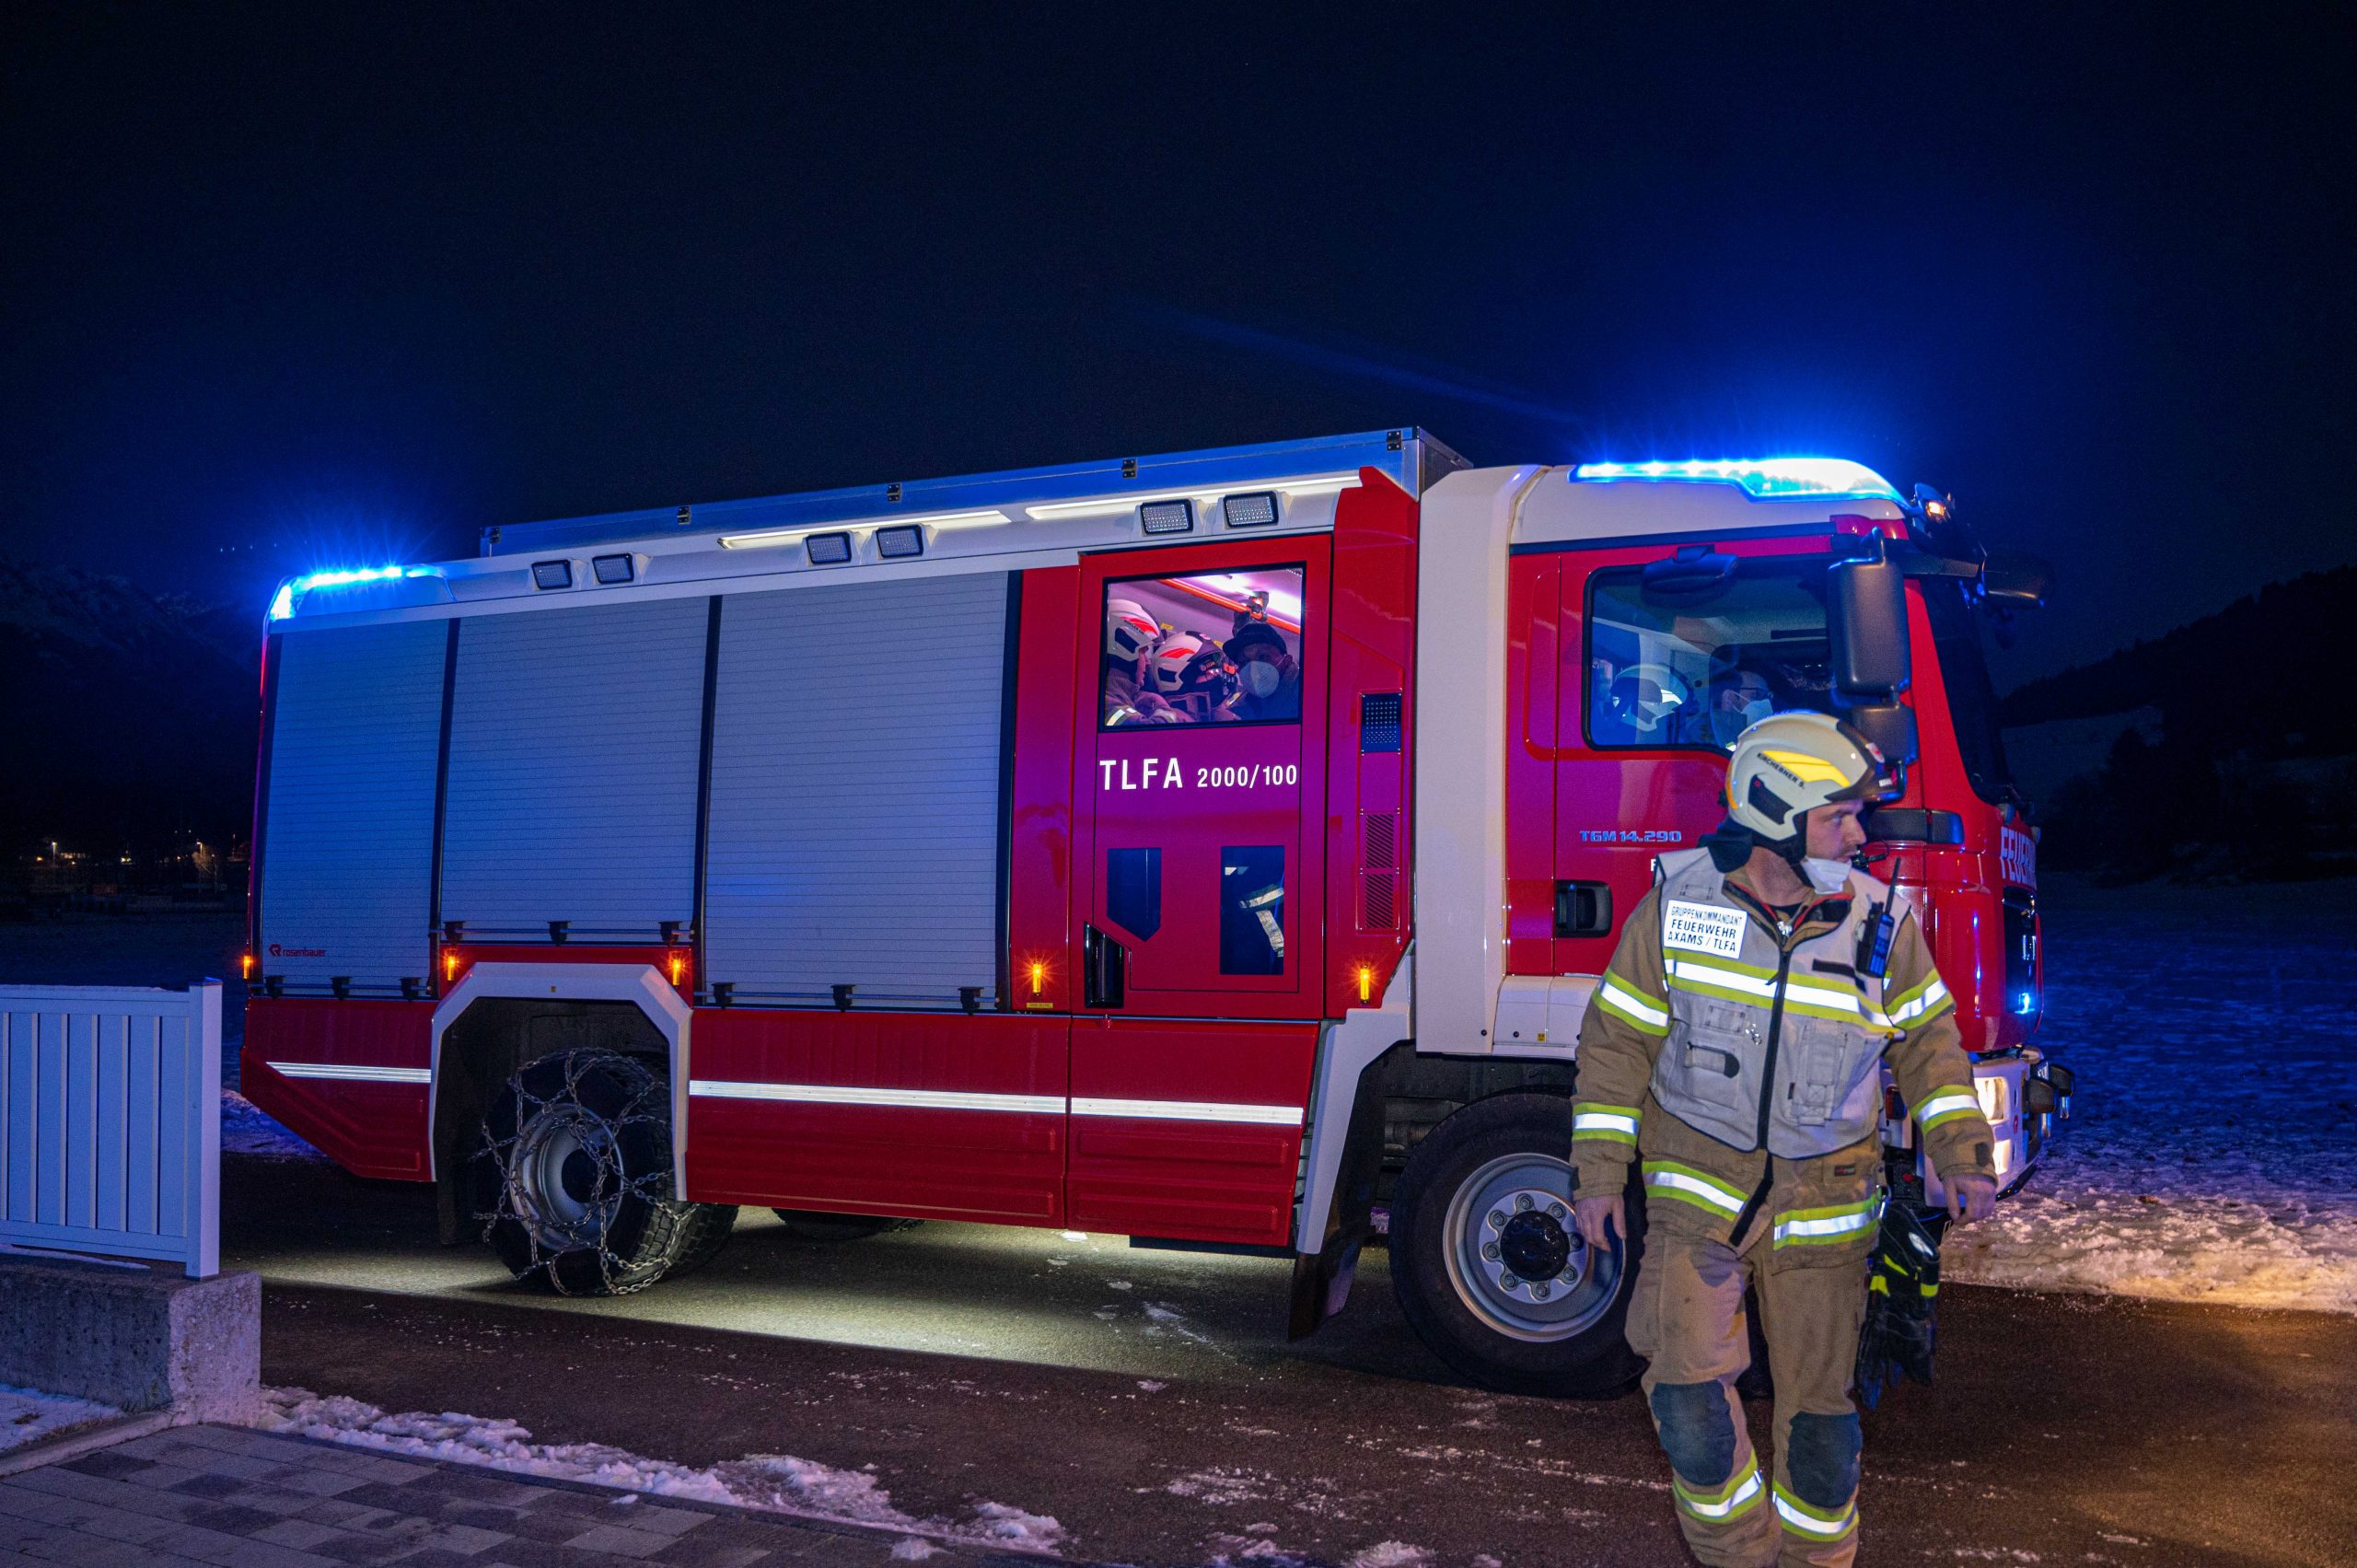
1769	479
551	574
829	549
899	544
612	569
1167	516
1255	509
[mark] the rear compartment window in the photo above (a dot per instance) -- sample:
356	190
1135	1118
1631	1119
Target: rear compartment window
1215	647
1683	655
1133	891
1252	909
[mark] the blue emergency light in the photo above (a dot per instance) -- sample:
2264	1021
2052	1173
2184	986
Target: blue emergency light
1768	479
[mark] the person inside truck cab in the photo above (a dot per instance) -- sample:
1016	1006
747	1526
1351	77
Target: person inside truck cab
1645	704
1191	673
1129	638
1268	676
1739	698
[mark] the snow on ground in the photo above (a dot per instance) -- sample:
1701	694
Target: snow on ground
247	1129
2212	1154
776	1483
27	1415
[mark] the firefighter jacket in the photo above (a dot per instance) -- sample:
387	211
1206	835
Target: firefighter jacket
1740	1059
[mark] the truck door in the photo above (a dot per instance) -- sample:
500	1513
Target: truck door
1204	718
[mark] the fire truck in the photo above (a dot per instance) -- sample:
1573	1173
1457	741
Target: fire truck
1215	848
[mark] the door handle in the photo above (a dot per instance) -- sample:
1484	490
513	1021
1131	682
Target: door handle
1104	968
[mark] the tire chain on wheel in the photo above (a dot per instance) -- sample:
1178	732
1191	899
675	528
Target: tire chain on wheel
647	1105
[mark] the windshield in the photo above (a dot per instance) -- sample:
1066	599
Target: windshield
1972	705
1690	663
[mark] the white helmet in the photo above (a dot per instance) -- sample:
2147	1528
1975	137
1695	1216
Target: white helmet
1128	629
1787	764
1171	658
1647	694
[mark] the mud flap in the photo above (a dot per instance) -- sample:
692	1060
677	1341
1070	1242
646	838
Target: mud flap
1321	1280
1321	1283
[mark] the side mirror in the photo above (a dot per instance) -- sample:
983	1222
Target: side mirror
1890	725
2017	579
1867	620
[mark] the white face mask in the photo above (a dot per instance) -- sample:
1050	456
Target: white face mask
1825	875
1260	678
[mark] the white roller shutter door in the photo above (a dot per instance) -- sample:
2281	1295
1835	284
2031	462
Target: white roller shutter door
574	747
348	827
855	814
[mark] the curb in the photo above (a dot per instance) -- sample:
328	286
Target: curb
81	1440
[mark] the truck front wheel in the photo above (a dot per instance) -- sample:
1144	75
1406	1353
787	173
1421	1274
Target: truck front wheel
1489	1267
572	1179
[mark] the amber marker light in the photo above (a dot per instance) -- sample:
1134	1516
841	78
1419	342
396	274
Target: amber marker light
449	965
246	966
1366	982
678	967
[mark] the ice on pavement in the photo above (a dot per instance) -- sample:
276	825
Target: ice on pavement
28	1416
2212	1154
777	1482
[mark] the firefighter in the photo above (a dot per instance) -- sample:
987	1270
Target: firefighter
1130	635
1266	670
1735	1048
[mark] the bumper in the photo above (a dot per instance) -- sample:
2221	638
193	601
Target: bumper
2015	1093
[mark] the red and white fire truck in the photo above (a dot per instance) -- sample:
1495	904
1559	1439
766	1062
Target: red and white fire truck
1215	849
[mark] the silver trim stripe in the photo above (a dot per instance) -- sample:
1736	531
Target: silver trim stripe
1037	1105
906	1099
1191	1111
351	1075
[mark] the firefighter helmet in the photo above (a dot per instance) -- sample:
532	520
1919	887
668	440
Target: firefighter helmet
1128	629
1648	695
1172	658
1788	763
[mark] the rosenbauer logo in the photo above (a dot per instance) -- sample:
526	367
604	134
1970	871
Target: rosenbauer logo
278	952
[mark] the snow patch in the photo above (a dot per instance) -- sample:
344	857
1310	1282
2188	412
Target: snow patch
774	1482
2208	1158
1390	1554
28	1416
247	1129
1221	1487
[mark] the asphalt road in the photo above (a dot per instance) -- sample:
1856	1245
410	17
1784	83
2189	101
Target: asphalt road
1149	1401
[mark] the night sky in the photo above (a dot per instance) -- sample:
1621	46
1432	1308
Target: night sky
333	285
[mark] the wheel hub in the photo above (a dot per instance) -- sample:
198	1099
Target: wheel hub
561	1178
1515	1257
1535	1245
578	1176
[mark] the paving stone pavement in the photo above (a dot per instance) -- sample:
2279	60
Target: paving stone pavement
228	1497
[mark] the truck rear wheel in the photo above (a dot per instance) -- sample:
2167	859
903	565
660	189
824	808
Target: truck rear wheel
572	1179
816	1225
1489	1267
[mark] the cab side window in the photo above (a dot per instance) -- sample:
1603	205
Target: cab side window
1215	647
1688	659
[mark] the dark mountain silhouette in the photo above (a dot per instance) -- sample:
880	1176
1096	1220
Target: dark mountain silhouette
2254	772
2268	675
127	719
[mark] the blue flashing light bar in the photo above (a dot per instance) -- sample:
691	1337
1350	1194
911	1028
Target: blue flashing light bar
282	605
1769	479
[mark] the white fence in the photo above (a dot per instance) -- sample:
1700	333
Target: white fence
110	1121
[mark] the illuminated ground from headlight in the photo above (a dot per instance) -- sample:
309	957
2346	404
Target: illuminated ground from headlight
1039	1296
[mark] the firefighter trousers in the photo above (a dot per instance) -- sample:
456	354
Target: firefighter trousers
1686	1316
